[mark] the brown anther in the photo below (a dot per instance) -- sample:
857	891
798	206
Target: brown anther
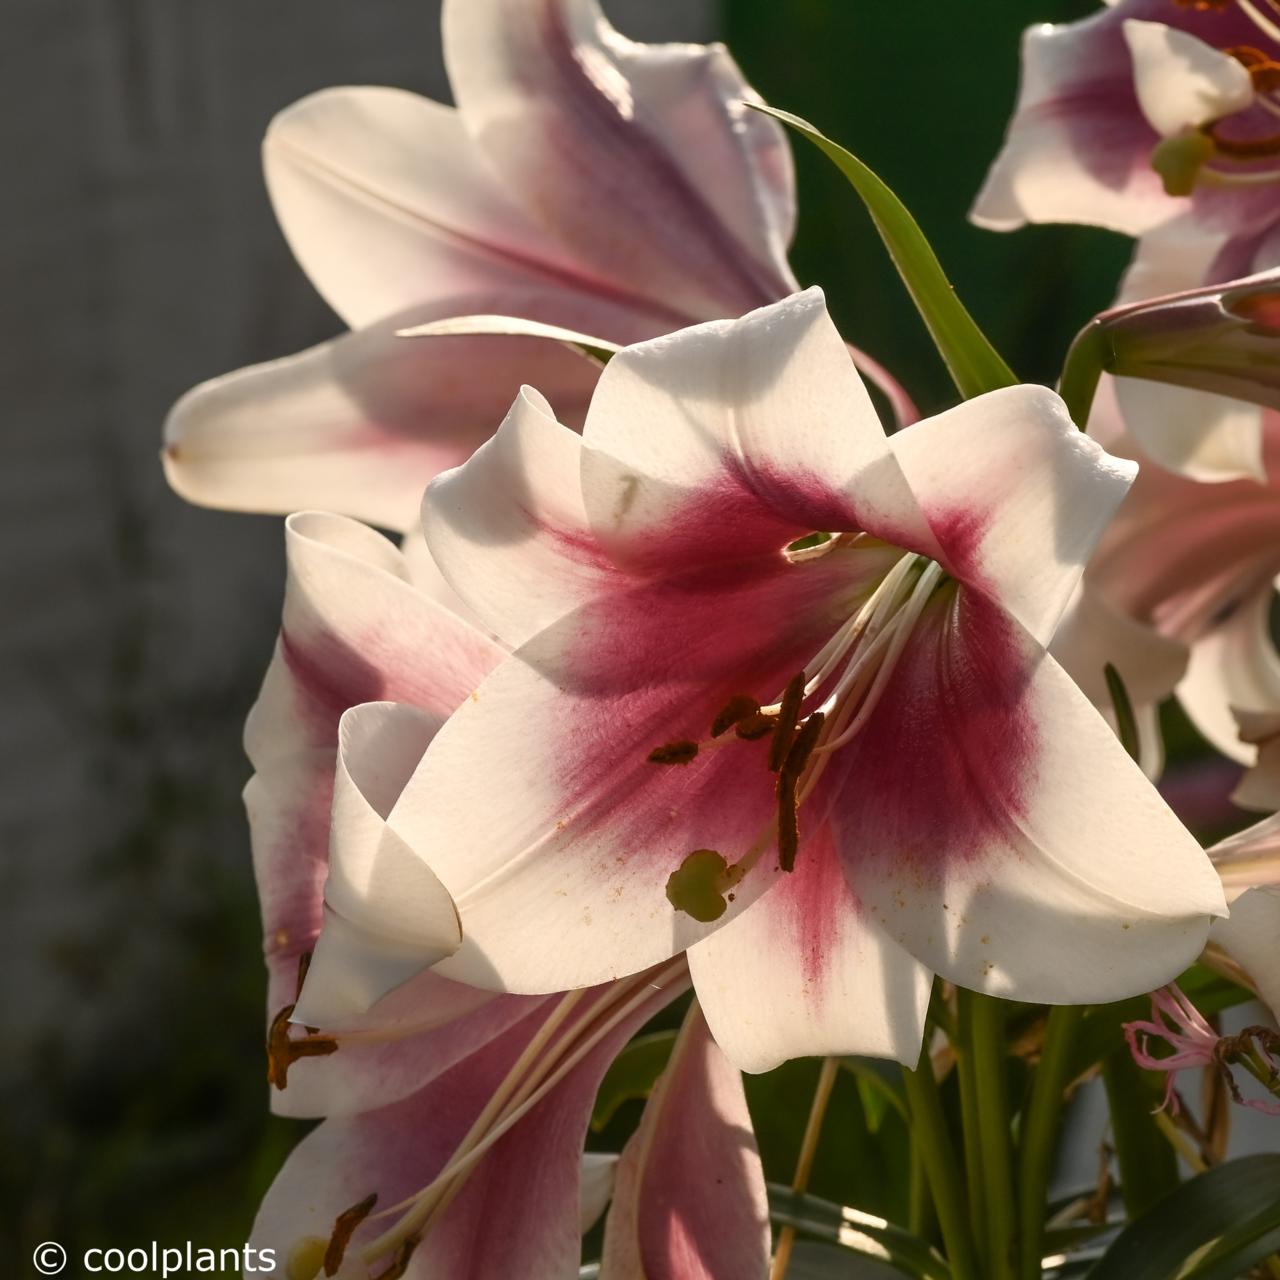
680	752
400	1263
739	708
788	781
283	1051
802	747
788	822
344	1227
755	726
1243	148
1204	6
785	728
1263	69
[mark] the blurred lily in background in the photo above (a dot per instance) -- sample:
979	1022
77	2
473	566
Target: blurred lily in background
583	180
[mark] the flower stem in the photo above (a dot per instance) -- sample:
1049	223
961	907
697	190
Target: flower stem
1148	1166
971	1122
986	1033
929	1133
1039	1134
804	1162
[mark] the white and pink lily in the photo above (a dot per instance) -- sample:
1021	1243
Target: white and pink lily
451	1099
828	766
1146	112
583	180
1178	597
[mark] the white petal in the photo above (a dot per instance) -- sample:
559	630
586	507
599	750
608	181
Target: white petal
1249	935
1234	666
806	972
1181	81
1259	789
1205	436
387	916
993	824
596	1188
509	531
386	206
1017	497
360	424
717	441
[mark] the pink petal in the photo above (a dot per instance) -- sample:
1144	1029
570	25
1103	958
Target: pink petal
533	1171
413	1035
807	972
361	424
690	1202
538	802
643	158
1016	496
1078	147
993	824
733	438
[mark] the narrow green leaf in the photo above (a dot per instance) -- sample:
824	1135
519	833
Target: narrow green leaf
974	364
1237	1204
856	1232
633	1074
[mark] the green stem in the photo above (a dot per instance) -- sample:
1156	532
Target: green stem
971	1122
1148	1166
920	1218
987	1034
929	1133
1040	1132
1081	373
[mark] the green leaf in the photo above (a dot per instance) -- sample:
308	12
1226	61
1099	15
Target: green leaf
857	1232
877	1092
974	364
633	1074
1236	1205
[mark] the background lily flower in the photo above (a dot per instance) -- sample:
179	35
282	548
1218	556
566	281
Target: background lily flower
1189	567
1144	111
612	188
700	700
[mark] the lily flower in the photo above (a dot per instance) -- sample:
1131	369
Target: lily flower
438	1098
1146	112
779	696
583	180
1178	596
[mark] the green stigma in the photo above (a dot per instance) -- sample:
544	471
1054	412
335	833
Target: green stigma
1179	160
698	885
